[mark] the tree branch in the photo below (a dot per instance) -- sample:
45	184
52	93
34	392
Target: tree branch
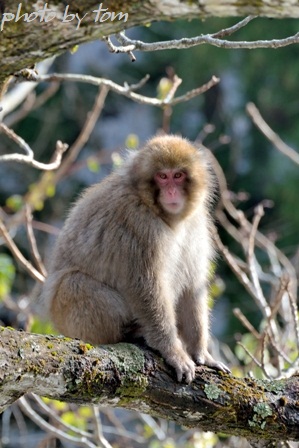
28	158
274	138
211	39
127	90
126	375
79	22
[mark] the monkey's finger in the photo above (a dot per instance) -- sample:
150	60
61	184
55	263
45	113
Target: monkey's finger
207	360
217	365
189	377
185	369
179	375
220	366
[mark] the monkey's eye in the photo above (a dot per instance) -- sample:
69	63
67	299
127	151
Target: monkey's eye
162	176
177	175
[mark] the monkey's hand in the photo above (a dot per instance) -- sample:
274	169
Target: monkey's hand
207	360
181	361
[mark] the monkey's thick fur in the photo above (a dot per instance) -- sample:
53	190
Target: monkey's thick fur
122	262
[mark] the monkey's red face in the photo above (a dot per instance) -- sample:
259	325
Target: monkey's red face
171	186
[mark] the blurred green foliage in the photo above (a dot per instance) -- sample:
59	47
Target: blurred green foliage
7	275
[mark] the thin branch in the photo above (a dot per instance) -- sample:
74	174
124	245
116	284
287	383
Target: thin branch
151	422
261	240
32	241
259	212
195	92
128	45
250	355
279	351
211	39
13	98
119	429
36	418
127	90
84	135
284	281
21	424
243	319
230	259
264	347
138	84
258	120
31	103
126	49
294	309
55	418
18	140
232	29
29	157
176	82
18	255
100	439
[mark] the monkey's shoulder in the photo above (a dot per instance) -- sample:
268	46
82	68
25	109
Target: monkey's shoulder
108	207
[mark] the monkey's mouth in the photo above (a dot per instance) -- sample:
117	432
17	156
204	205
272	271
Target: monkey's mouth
173	207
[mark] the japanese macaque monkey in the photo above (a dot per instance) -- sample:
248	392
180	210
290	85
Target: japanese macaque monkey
134	254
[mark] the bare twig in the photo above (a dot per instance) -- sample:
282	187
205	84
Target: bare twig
176	82
84	135
18	140
55	418
29	157
211	39
278	350
195	92
230	259
32	241
31	103
294	309
127	91
258	120
36	418
18	255
126	49
229	31
119	429
284	281
264	348
254	359
139	84
251	261
100	439
262	241
243	319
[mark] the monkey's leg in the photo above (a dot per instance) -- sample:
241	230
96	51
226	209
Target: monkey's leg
155	315
193	323
87	309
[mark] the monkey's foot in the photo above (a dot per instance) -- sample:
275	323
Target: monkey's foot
183	364
209	361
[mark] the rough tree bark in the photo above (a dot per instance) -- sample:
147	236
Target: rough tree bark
23	43
135	378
